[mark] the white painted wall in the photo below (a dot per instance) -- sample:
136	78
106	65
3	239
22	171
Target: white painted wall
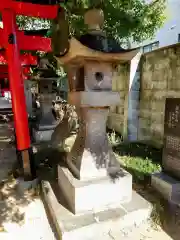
168	34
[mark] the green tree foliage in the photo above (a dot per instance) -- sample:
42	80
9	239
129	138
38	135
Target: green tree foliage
125	19
135	20
32	23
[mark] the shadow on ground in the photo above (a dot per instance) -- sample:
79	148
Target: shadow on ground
164	214
139	150
11	202
139	159
47	160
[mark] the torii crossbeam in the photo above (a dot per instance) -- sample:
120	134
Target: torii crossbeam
13	41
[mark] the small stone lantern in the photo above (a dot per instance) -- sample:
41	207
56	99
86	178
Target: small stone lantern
91	165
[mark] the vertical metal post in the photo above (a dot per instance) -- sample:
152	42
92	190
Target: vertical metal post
24	152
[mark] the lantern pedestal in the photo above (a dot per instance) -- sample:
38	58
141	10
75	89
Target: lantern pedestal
107	222
95	194
93	177
93	198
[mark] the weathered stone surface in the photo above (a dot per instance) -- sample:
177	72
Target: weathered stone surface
167	186
144	122
91	155
158	106
96	193
120	84
23	186
96	224
93	98
113	109
145	95
43	136
122	95
144	130
119	109
173	94
159	76
115	121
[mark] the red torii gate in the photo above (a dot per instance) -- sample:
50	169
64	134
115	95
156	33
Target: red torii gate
27	61
13	41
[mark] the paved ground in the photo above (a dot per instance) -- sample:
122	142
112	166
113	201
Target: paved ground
145	232
7	152
23	217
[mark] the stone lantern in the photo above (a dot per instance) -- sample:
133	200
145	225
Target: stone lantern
94	197
93	177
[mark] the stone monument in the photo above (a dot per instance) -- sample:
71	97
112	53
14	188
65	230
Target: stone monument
167	182
171	151
92	181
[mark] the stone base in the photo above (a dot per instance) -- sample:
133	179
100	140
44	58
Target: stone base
44	133
101	224
97	193
43	136
23	186
167	186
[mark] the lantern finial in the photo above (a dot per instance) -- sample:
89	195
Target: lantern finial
94	19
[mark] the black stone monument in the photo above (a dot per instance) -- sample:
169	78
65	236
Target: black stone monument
171	151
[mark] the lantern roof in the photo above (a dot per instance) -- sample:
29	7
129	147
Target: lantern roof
40	74
102	43
95	38
78	54
44	70
95	45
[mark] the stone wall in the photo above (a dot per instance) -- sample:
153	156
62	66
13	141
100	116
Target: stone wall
159	78
120	84
124	117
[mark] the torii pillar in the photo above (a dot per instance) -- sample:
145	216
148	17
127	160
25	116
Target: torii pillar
24	151
13	41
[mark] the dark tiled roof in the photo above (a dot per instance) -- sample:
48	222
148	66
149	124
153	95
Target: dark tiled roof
102	43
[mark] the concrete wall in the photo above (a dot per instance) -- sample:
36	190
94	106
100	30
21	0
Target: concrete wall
158	79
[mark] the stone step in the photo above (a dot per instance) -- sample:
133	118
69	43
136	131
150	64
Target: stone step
47	127
93	224
167	186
